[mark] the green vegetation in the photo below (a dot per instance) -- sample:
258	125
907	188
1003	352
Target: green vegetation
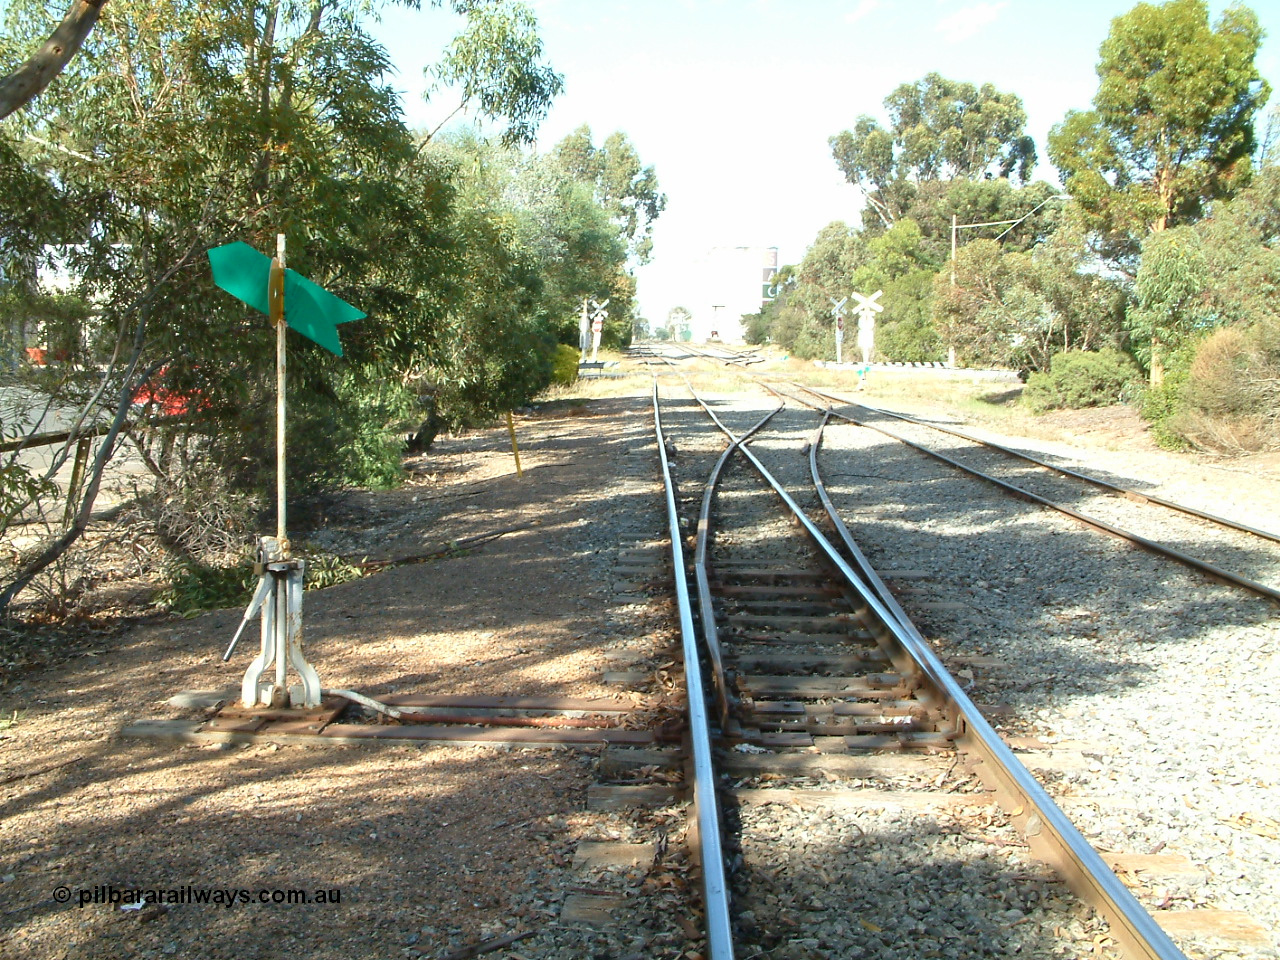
183	124
564	366
1081	378
179	125
1159	262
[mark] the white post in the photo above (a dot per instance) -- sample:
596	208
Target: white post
277	315
837	311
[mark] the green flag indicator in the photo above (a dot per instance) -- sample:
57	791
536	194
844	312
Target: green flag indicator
309	308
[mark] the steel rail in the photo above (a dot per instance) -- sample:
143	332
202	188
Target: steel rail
706	611
1096	481
1049	832
1154	546
865	570
715	889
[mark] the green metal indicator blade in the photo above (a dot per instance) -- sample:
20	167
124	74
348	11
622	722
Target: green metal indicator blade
309	308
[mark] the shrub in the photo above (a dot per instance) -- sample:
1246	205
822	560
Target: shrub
1081	378
564	365
1228	400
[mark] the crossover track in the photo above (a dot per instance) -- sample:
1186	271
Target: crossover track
806	653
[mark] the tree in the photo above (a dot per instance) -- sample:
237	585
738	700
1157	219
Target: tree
26	82
1171	126
678	321
187	123
939	130
898	264
496	64
800	318
626	190
1014	309
1171	295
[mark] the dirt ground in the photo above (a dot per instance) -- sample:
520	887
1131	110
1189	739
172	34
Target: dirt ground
429	848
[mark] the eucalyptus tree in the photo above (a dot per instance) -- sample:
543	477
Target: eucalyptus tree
1018	309
800	318
496	66
184	124
627	190
27	79
1172	122
939	130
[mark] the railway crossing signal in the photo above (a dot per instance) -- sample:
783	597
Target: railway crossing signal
289	300
590	324
866	310
598	315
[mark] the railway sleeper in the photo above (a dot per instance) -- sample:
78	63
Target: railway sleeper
922	741
834	623
842	708
817	592
872	660
849	638
822	607
883	686
842	728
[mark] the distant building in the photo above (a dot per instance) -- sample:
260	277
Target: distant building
730	282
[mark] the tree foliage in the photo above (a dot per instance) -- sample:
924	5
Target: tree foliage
495	63
939	130
613	173
1172	122
184	124
1017	309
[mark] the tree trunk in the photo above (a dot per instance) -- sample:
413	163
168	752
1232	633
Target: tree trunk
1157	355
24	84
1157	360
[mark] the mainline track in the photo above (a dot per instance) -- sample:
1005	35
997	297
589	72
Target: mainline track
843	670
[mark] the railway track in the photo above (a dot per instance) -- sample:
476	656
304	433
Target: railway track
829	707
1233	552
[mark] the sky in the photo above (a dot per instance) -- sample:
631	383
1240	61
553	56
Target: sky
733	101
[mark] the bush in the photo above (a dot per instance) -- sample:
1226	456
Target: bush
1081	378
1228	399
564	365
